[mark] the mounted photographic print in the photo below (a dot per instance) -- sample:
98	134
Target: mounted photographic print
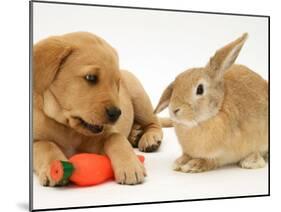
144	105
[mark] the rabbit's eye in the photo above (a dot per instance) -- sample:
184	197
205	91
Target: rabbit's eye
200	89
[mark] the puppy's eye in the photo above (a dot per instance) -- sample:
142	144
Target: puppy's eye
91	78
200	89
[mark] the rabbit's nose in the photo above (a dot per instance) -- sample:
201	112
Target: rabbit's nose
176	111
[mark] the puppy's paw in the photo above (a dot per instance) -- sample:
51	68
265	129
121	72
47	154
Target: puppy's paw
150	140
44	177
182	160
129	172
135	134
197	165
253	161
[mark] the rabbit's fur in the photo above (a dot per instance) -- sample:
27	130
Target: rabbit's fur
220	113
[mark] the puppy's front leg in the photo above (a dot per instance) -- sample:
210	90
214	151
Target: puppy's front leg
44	152
127	167
148	134
152	134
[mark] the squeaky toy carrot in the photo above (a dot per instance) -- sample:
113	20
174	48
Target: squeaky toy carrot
84	169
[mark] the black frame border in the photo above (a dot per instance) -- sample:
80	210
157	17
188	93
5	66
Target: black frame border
137	8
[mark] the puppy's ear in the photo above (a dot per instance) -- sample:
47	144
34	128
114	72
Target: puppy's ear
48	55
225	57
165	99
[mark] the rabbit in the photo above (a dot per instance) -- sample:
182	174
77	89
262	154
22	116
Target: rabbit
220	113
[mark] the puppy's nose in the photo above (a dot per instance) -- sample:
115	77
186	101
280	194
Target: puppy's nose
113	113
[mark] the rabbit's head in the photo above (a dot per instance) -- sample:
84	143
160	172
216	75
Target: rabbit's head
197	94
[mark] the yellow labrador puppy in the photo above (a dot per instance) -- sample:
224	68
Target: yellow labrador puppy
82	102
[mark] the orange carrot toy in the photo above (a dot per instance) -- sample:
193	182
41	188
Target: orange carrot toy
84	169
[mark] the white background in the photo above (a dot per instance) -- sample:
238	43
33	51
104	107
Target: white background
156	46
14	107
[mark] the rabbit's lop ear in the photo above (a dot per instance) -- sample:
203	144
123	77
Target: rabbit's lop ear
225	57
48	56
165	99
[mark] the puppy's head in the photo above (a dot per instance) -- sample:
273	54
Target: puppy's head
197	94
78	76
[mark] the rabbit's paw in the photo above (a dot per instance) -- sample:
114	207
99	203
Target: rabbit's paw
253	161
198	165
182	160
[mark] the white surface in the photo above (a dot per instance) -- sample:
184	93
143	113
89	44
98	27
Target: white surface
14	119
156	46
161	184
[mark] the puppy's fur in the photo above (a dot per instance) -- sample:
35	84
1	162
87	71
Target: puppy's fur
220	113
70	112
